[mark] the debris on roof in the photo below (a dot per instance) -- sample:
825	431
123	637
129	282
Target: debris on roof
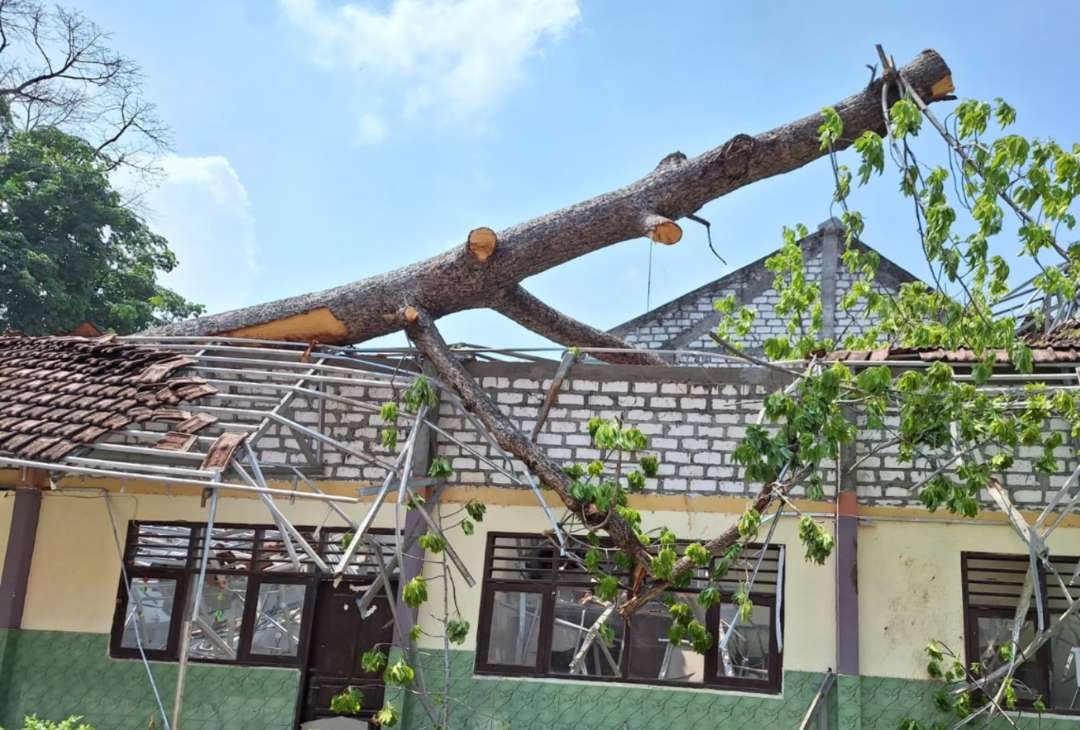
58	394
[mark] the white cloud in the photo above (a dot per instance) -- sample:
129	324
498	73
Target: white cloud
370	129
456	56
202	208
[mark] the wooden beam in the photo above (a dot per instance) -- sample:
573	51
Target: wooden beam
19	555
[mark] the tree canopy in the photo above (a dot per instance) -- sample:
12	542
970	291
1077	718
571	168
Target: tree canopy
71	251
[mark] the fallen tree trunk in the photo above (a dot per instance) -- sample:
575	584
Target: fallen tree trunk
424	335
528	311
475	274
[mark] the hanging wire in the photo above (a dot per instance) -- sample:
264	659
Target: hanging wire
648	282
708	235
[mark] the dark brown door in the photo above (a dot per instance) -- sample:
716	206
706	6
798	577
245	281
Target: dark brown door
339	637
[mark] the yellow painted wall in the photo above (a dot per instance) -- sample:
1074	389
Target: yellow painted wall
909	571
910	587
75	572
809	599
7	505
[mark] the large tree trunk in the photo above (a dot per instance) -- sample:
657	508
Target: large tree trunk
487	269
474	274
425	336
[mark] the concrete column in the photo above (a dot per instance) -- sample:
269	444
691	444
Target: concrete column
830	231
20	551
847	564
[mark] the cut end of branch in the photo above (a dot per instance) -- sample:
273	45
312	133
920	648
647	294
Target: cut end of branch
404	316
942	88
662	230
482	242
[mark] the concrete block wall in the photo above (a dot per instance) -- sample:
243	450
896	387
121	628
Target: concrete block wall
686	323
694	418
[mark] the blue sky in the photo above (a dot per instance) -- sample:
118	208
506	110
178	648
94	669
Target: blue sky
317	142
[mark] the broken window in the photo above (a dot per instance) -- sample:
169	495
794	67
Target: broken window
538	617
279	614
257	595
150	613
993	586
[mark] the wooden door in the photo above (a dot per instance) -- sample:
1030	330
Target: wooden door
339	637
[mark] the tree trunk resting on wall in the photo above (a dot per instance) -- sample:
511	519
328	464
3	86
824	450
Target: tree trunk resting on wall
487	269
479	272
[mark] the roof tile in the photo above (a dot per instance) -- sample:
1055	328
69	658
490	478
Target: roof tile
59	394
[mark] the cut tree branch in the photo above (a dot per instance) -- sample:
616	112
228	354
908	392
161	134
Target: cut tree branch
528	311
425	336
459	279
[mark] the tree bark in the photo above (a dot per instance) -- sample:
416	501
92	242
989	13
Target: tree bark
528	311
425	336
457	279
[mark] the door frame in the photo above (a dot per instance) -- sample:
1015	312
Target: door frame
309	629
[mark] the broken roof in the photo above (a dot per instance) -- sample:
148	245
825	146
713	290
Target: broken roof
58	394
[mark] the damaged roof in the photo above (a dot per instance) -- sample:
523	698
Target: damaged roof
58	394
1062	345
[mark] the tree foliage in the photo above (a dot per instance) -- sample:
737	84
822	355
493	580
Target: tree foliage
71	251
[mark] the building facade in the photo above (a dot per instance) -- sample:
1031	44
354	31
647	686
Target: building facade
280	639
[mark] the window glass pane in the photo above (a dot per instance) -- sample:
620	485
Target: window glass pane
216	633
230	549
160	546
995	632
278	616
1065	665
515	628
573	619
651	654
150	611
747	652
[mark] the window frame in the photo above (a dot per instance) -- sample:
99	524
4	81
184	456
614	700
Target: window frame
548	588
186	576
1043	658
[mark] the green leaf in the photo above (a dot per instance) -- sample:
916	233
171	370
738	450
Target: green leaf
373	661
831	127
650	465
475	510
432	543
399	674
607	588
389	412
697	554
347	702
457	630
905	118
387	716
388	438
415	592
440	468
419	393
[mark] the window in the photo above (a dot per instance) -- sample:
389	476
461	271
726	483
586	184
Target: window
537	607
256	599
992	589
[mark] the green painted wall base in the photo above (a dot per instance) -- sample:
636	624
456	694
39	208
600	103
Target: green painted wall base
55	674
858	703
